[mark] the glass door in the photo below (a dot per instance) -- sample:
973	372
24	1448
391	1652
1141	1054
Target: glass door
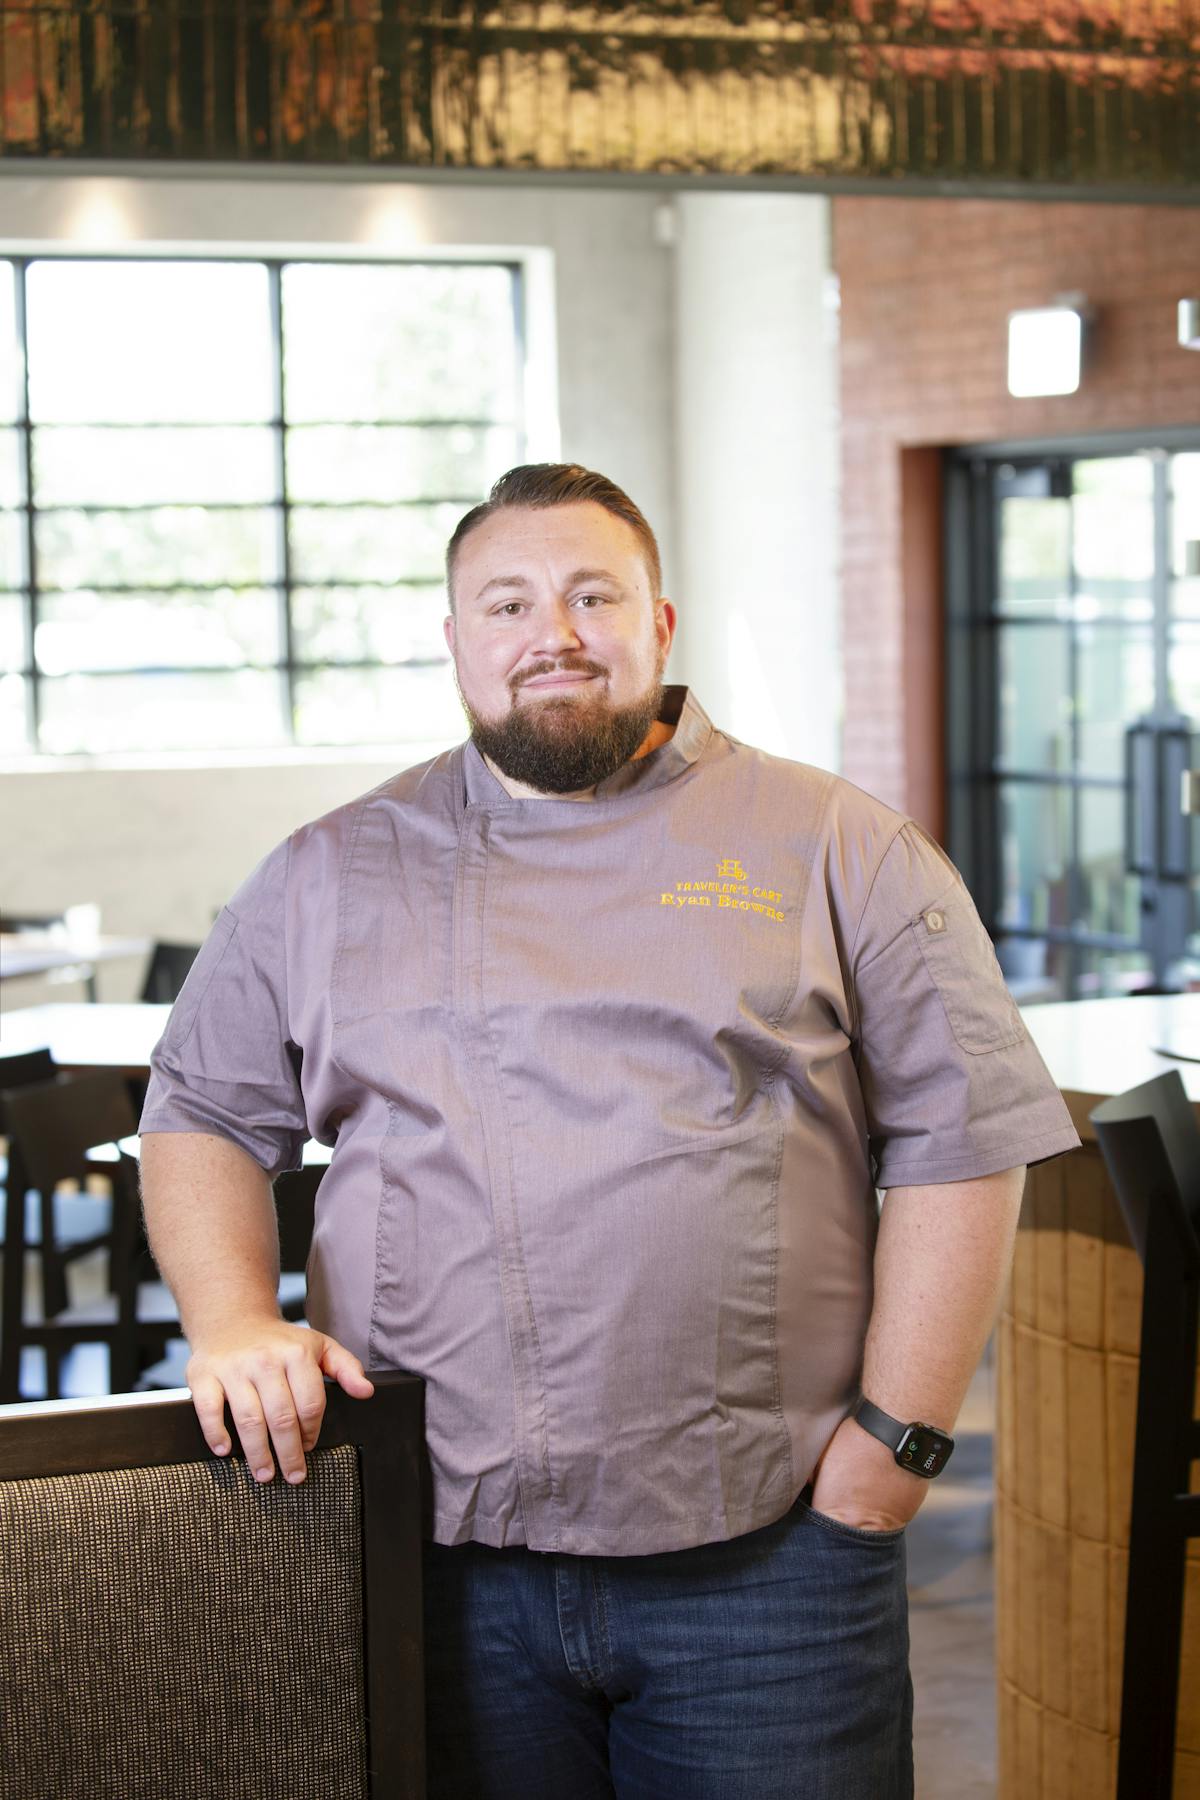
1075	630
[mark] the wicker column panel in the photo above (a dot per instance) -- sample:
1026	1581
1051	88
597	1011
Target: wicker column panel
1066	1408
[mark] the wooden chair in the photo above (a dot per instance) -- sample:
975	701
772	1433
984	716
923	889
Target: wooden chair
51	1127
1151	1144
24	1070
58	1229
169	1627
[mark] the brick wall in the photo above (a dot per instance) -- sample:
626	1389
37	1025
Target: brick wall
926	288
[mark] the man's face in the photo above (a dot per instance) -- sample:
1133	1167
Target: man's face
558	642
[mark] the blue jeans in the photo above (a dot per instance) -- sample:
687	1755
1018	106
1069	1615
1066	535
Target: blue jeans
773	1665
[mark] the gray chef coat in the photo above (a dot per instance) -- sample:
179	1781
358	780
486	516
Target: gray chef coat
611	1085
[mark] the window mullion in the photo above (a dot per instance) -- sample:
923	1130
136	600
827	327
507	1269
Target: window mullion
283	547
520	413
33	707
315	647
1164	699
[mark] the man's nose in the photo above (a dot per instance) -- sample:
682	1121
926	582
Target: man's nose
557	629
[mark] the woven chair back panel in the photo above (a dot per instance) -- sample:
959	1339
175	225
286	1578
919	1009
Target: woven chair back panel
182	1632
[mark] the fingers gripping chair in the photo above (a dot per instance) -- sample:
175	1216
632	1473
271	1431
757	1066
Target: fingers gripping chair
170	1630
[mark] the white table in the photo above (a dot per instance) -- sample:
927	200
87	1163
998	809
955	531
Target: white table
83	1035
1097	1048
28	953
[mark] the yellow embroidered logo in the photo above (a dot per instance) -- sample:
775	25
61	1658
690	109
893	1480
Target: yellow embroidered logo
730	892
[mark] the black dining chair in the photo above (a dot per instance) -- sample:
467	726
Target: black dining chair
167	971
59	1227
23	1070
170	1627
51	1128
1151	1145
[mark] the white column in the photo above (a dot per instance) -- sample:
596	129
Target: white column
757	469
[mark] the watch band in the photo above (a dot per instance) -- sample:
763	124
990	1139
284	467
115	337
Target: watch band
881	1425
923	1450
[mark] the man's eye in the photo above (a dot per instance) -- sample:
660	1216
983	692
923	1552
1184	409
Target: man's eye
510	609
592	599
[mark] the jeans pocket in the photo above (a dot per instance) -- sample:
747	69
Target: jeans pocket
856	1534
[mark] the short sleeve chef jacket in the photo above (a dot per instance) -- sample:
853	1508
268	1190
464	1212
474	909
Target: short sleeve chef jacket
611	1086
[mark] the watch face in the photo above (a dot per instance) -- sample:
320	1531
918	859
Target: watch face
925	1451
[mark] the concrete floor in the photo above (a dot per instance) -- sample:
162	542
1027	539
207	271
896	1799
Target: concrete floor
950	1587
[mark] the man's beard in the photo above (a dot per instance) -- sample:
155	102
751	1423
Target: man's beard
562	745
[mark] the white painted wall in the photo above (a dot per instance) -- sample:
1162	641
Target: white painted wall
698	375
159	850
757	462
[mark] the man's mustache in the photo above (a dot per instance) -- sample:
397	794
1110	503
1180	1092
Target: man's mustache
576	665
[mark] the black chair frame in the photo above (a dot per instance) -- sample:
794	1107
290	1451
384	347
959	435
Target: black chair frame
1151	1144
28	1069
130	1431
167	971
128	1337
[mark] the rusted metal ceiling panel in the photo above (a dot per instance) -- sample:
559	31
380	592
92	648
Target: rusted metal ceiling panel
1099	93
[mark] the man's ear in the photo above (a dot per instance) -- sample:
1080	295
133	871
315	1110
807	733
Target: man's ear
448	631
665	620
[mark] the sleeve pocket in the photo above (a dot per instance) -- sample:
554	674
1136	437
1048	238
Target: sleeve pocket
962	965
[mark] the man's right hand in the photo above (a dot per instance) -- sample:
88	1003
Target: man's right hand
272	1375
210	1218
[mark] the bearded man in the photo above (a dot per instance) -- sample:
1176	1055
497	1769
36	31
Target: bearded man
617	1026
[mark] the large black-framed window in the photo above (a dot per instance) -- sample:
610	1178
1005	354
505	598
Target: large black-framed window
1073	679
226	484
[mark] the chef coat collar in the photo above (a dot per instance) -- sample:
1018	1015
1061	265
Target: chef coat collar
680	708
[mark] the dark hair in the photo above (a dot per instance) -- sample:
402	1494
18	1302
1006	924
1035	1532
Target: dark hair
556	484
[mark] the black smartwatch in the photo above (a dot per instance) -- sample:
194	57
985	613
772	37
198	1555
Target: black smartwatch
921	1449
